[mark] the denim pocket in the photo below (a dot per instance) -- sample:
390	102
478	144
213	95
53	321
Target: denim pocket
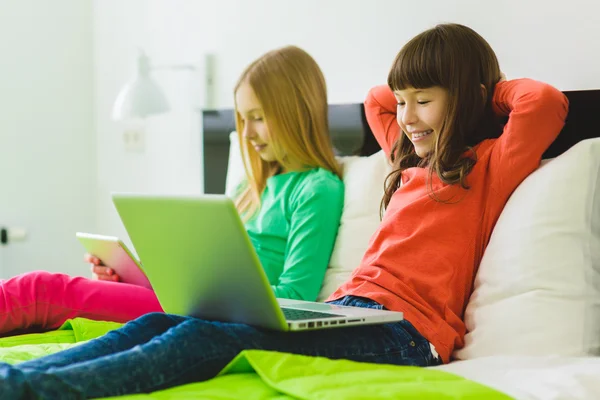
377	306
356	301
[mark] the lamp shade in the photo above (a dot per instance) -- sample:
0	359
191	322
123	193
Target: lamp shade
140	97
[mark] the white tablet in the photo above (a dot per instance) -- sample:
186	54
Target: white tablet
115	255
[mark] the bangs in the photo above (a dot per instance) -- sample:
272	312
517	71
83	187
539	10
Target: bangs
418	63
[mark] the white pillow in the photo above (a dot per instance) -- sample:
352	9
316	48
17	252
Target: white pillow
235	165
537	291
363	179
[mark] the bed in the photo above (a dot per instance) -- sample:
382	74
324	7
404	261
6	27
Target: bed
533	318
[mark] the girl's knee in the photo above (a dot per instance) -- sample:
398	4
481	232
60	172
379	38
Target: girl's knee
157	319
39	281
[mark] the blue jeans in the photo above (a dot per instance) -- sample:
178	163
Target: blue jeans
157	351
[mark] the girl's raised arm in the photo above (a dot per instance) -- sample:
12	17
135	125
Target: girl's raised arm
380	109
536	114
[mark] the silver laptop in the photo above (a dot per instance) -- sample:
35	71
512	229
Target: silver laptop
200	261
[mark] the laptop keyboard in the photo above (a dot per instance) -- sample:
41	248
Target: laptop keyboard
292	314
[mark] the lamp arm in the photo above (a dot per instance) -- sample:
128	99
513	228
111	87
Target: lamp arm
175	67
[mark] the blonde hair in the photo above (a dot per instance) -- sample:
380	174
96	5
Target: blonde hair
291	90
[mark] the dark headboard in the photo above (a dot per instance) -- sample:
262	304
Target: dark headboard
351	134
348	128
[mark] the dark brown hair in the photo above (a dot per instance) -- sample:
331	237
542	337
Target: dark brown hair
458	59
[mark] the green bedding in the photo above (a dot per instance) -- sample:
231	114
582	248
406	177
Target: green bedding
272	375
20	348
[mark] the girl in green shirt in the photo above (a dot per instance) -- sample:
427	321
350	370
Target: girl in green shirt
291	202
293	196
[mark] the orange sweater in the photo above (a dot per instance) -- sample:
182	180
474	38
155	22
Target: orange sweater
423	258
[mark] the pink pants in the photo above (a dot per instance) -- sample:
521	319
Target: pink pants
41	301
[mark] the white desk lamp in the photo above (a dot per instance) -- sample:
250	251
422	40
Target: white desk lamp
142	96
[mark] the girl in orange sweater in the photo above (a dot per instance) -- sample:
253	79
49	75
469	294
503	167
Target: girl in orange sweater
453	171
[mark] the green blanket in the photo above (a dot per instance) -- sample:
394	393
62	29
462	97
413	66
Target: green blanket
20	348
272	375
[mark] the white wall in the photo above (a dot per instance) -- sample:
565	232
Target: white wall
47	157
354	41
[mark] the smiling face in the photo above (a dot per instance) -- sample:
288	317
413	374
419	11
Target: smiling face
255	129
420	114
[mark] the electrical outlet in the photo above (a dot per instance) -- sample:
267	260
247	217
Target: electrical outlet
134	140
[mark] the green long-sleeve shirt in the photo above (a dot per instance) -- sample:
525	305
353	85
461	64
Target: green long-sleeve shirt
295	229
